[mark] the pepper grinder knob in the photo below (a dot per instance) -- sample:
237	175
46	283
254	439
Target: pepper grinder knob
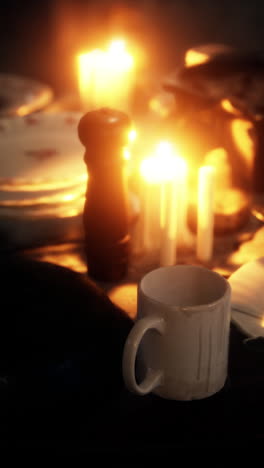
104	133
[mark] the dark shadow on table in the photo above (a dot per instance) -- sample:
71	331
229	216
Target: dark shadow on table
61	385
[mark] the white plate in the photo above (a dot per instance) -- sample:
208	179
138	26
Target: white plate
43	179
247	284
21	96
248	324
40	153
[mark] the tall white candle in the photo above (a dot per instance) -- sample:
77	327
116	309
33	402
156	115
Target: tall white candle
164	201
147	205
150	201
184	236
205	214
170	223
173	211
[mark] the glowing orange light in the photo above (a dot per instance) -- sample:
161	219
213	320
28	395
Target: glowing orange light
194	57
262	322
68	210
46	199
125	296
118	57
163	165
69	197
218	159
160	107
66	260
240	130
228	107
132	135
126	154
106	77
203	53
63	255
41	100
35	185
23	110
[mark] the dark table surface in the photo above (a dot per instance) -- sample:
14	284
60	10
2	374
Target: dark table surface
133	425
92	420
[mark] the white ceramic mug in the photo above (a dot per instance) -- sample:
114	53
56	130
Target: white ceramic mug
182	330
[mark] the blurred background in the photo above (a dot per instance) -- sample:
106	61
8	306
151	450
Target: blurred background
40	39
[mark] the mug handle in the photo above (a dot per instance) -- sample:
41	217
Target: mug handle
153	377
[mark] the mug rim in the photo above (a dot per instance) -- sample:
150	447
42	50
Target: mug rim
194	308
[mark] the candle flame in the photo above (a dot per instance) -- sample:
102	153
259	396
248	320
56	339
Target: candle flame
126	154
118	56
164	165
117	46
132	135
87	63
105	76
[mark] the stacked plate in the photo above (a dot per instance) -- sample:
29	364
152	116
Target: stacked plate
247	285
42	178
21	96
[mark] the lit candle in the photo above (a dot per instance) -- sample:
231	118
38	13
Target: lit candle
163	201
148	225
169	226
88	71
184	235
150	202
155	170
205	214
106	77
173	212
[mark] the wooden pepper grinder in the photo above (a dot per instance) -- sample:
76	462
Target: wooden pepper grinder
104	133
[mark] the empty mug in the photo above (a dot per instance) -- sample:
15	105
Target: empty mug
181	333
